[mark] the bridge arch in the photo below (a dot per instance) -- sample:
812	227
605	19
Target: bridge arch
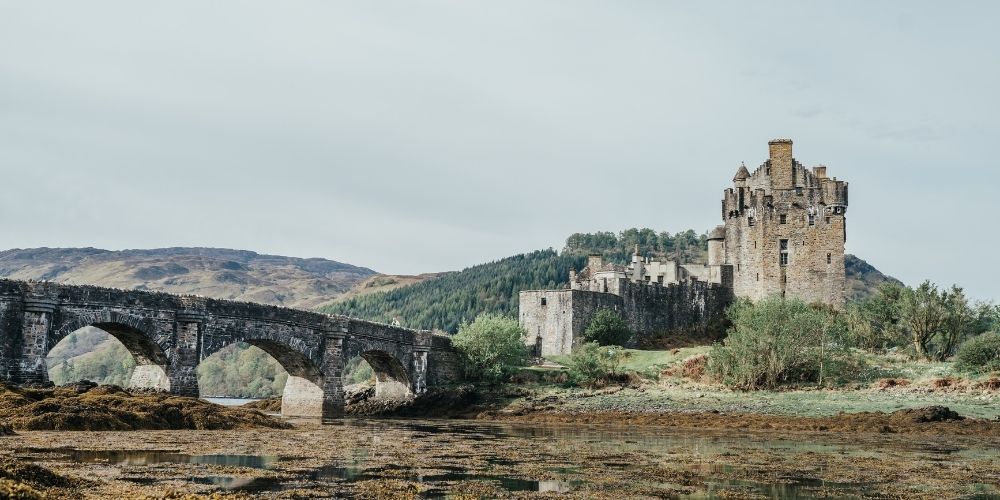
303	393
392	380
139	336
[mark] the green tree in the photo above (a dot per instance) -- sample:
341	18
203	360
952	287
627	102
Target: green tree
959	322
923	311
607	327
492	347
875	323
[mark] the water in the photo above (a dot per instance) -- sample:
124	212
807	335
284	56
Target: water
555	458
230	401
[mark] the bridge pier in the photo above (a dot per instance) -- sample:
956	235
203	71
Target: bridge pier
184	362
333	372
420	369
36	325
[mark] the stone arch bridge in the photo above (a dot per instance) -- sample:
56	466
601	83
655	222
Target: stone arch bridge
169	335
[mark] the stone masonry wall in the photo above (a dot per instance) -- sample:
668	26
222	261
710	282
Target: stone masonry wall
556	326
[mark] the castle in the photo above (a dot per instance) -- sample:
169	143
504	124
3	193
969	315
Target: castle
783	235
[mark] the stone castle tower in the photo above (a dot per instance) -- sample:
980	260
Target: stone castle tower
784	231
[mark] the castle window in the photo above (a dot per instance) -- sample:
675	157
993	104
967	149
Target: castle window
798	191
737	268
543	301
750	221
783	252
758	276
812	219
769	170
828	219
659	279
782	219
829	259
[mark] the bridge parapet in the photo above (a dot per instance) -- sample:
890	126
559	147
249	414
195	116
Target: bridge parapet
169	335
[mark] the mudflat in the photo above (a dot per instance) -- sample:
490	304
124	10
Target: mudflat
486	459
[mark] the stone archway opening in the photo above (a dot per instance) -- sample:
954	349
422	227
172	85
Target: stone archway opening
261	369
108	354
391	379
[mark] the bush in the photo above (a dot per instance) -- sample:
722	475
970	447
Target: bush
980	354
607	328
492	347
777	341
592	364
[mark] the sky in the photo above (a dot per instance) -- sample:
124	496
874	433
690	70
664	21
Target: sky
413	136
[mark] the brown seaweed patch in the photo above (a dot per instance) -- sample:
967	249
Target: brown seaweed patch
111	408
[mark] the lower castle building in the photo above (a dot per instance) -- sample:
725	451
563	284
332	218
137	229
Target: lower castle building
783	235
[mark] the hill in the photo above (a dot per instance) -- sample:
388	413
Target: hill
863	279
493	287
444	302
211	272
382	283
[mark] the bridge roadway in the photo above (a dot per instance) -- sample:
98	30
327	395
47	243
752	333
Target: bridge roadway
169	335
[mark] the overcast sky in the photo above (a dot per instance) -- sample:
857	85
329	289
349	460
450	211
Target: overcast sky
424	136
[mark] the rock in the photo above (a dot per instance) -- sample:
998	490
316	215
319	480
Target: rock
926	414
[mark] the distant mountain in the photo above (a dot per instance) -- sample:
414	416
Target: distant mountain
211	272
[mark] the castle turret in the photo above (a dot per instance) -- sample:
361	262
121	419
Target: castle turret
716	246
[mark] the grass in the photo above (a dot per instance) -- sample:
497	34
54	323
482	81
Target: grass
674	392
648	364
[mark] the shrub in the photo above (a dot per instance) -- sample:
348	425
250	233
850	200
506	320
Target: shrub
692	368
592	364
492	347
607	328
980	354
777	341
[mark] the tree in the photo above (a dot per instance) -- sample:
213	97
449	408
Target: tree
923	311
959	322
875	323
607	328
492	347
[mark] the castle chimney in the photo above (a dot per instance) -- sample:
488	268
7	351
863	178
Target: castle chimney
780	154
595	261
